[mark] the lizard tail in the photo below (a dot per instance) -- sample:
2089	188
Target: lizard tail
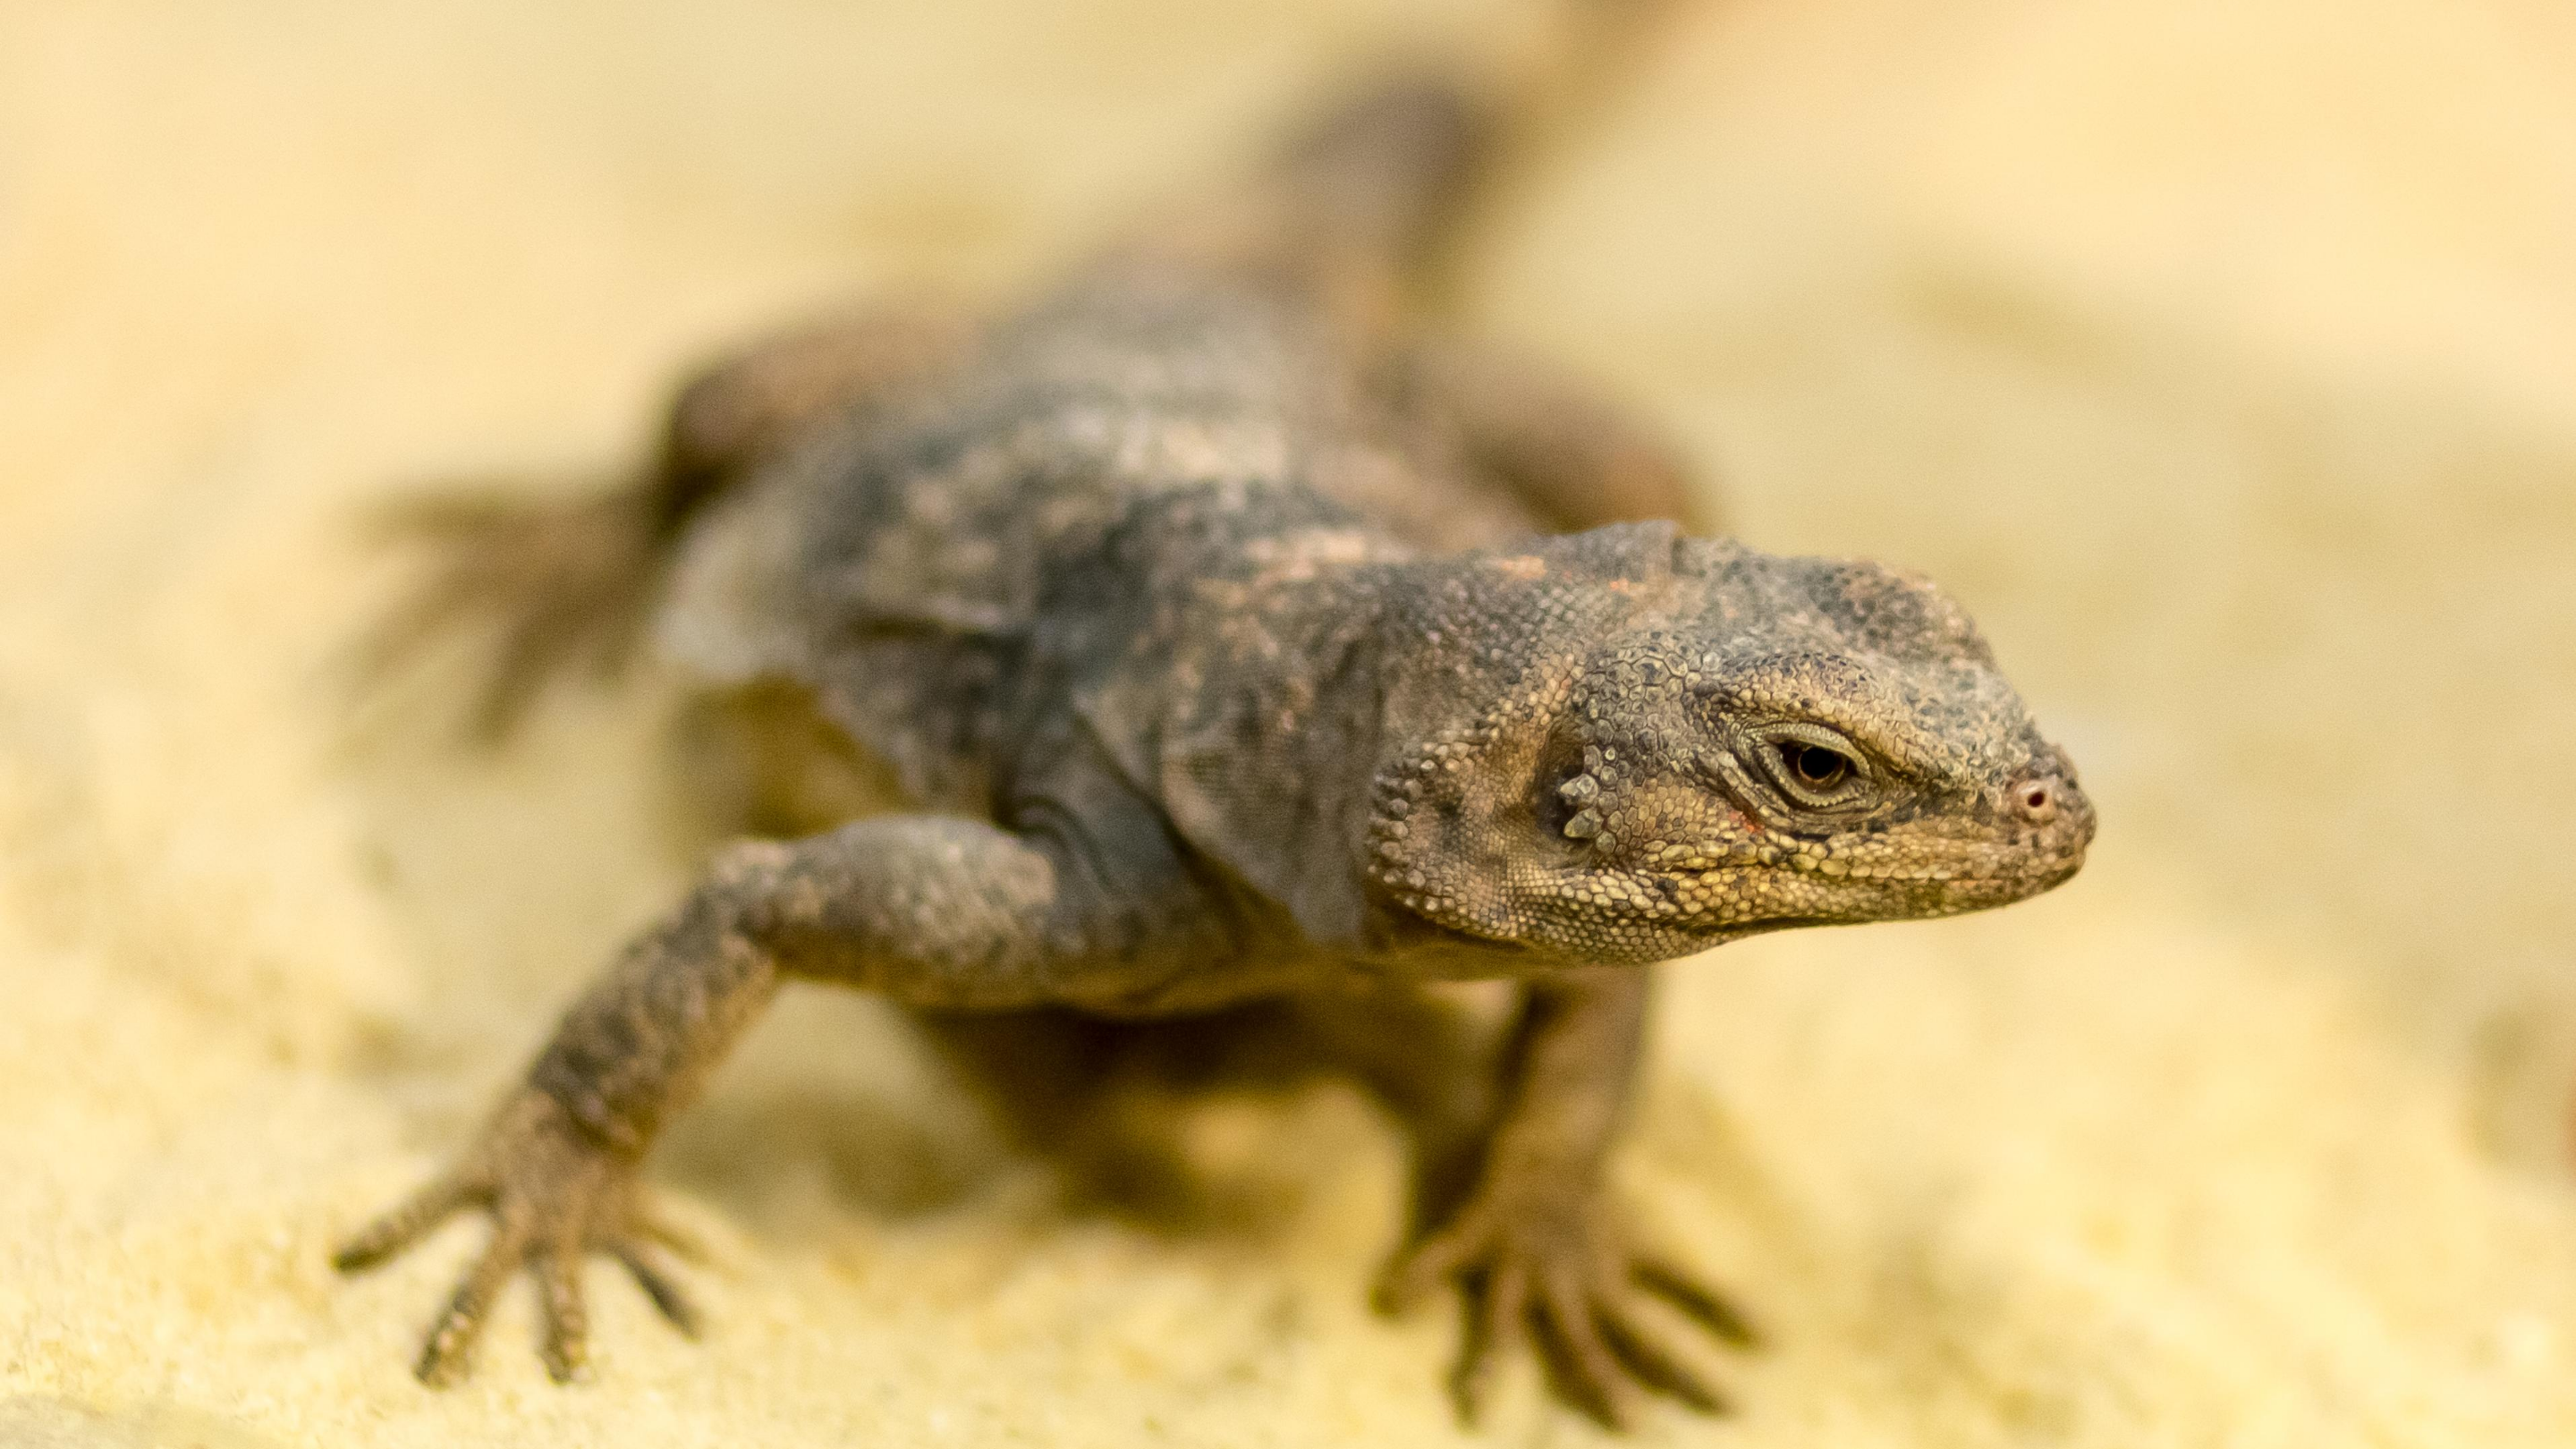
1368	193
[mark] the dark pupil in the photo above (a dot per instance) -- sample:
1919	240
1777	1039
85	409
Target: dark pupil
1817	765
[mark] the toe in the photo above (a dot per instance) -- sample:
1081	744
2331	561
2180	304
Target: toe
1497	1319
1704	1307
659	1286
446	1356
654	1226
1586	1372
567	1317
402	1227
1647	1362
1435	1260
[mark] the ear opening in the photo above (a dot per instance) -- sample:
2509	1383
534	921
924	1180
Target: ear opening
1454	826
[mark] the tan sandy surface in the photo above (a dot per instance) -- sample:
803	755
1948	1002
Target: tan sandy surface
2222	356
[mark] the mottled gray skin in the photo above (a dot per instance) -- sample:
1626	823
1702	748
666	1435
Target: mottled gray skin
1202	617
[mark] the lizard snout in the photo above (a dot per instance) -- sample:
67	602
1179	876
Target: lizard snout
2048	802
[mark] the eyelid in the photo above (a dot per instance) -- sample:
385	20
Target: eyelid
1859	789
1821	737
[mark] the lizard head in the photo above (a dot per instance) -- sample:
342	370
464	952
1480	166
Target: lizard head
1709	742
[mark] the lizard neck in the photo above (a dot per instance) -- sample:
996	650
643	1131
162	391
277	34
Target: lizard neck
1480	658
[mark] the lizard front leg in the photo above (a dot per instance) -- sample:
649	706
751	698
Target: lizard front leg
932	910
1537	1244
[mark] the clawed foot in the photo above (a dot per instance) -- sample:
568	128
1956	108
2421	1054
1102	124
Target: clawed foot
557	585
555	1195
1554	1265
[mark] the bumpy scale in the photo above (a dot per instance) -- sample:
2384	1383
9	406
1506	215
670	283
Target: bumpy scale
1205	619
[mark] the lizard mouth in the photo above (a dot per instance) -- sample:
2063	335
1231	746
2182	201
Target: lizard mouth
2044	874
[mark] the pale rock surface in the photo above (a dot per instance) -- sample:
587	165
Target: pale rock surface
2222	356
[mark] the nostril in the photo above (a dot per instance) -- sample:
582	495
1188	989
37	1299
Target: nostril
2037	801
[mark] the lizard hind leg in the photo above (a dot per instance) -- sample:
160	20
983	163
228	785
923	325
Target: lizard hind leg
557	584
563	584
1561	446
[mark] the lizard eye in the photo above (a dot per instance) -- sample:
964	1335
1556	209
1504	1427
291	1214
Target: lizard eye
1816	767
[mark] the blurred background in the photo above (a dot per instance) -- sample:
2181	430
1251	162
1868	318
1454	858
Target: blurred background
2220	356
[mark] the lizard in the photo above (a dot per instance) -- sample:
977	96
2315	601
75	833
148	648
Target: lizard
1228	633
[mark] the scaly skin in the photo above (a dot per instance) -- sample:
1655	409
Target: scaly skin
1201	616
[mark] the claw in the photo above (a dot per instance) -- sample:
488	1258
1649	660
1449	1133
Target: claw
403	1226
450	1348
1555	1272
554	583
1650	1365
1435	1260
682	1243
1578	1361
666	1294
1497	1322
555	1196
1709	1310
566	1349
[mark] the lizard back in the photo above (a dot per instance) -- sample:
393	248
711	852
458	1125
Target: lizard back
895	565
